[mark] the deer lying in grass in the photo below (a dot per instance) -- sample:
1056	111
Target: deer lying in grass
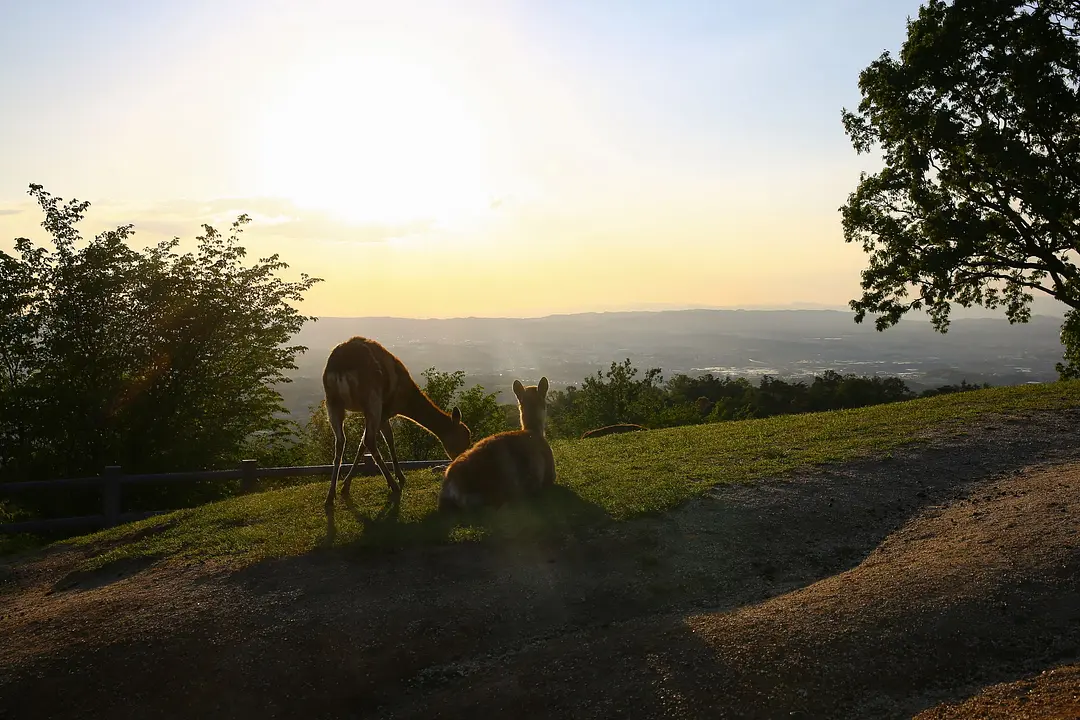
506	466
363	376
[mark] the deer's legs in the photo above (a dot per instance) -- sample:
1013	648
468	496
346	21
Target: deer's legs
336	416
346	483
370	441
388	436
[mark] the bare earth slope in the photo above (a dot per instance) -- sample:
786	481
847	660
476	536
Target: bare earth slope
1051	694
881	588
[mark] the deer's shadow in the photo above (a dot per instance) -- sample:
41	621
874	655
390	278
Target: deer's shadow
557	509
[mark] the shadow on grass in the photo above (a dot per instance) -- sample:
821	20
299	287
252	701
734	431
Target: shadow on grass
558	511
107	574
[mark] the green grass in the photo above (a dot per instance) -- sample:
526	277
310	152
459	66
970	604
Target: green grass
603	480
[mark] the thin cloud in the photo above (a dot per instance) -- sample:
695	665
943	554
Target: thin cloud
16	208
269	217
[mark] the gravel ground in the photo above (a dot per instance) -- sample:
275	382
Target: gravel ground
1052	694
875	589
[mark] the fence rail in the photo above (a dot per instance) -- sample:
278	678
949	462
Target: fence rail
113	479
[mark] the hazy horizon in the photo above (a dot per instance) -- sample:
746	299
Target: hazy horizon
1040	308
794	344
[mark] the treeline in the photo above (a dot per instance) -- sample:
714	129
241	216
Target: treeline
623	395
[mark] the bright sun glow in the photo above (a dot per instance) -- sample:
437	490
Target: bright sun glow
376	139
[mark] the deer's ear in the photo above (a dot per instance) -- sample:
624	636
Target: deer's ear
456	416
519	389
542	386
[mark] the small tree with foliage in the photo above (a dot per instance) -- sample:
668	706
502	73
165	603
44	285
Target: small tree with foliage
1070	338
978	120
616	396
150	359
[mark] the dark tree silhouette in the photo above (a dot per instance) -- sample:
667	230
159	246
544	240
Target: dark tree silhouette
978	121
150	359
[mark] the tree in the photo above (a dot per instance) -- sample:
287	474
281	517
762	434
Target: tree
978	122
149	359
607	398
1070	338
480	410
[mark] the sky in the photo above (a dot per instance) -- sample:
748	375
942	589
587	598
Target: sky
468	158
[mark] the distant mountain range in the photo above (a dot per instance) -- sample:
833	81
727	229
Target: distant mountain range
748	343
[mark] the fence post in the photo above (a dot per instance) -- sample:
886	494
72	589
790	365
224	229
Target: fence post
110	495
250	469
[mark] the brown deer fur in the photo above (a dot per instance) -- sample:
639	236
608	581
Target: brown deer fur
506	466
363	376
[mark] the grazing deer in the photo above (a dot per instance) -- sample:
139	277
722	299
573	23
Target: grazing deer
506	466
363	376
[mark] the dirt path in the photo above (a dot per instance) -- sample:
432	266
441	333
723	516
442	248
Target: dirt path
876	589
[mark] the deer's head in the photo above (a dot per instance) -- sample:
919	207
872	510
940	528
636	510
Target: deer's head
458	439
532	404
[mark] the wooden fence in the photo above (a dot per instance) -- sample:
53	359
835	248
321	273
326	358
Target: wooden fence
113	479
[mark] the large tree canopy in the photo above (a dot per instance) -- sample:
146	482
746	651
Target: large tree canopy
150	359
978	123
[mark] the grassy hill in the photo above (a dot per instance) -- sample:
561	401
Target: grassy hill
601	481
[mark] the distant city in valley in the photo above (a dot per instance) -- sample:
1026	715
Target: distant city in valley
789	344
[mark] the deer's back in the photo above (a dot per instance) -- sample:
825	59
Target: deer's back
498	469
359	366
